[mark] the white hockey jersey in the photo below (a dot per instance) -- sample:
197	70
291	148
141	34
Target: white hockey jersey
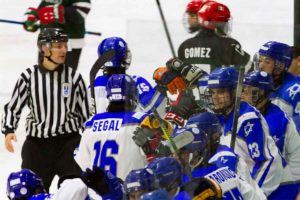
148	97
255	145
233	187
107	142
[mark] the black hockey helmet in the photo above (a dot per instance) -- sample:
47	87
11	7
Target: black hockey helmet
49	35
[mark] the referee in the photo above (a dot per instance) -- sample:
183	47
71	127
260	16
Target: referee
57	98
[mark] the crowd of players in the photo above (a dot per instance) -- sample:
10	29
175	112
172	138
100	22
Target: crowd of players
173	141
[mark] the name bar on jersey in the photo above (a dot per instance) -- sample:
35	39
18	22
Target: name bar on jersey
110	124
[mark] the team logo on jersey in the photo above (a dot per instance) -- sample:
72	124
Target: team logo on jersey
248	128
293	90
66	89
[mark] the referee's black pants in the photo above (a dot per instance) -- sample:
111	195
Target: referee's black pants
51	156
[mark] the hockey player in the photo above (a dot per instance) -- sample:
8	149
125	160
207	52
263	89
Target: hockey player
275	58
138	182
168	173
257	88
147	96
205	153
25	184
295	65
68	15
253	142
190	20
211	46
107	139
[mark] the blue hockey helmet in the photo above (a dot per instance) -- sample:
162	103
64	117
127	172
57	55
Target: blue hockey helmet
200	138
220	93
223	77
257	86
206	130
281	53
207	122
122	56
259	79
167	171
157	195
140	180
121	88
24	183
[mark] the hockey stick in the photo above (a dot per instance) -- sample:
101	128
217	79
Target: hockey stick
166	28
237	106
173	144
21	23
97	66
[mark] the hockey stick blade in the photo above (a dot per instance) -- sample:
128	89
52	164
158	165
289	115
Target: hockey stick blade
182	140
97	66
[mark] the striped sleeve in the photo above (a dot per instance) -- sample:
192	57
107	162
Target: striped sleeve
82	104
13	109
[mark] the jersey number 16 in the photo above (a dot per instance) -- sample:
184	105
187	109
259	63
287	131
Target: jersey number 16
102	159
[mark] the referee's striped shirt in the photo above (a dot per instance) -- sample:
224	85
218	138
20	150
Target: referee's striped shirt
58	102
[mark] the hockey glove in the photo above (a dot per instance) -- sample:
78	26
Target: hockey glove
168	80
115	187
95	179
152	123
51	14
190	73
207	189
150	142
182	108
31	20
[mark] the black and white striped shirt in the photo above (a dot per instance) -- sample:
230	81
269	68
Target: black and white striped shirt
58	102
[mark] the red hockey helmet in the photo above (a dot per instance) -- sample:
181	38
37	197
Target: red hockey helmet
213	14
194	6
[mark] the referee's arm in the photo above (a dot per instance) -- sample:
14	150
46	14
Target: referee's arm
82	105
12	112
13	109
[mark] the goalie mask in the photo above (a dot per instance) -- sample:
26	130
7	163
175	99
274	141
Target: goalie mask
257	86
122	58
23	184
221	85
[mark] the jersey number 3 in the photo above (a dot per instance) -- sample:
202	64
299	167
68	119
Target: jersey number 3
102	158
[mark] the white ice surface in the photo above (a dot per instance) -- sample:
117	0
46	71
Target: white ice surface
138	22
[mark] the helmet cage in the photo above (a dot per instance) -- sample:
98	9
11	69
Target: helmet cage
253	95
225	101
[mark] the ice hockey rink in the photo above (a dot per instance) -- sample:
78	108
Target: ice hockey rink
138	22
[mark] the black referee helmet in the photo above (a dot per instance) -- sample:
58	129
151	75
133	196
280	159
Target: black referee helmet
49	35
